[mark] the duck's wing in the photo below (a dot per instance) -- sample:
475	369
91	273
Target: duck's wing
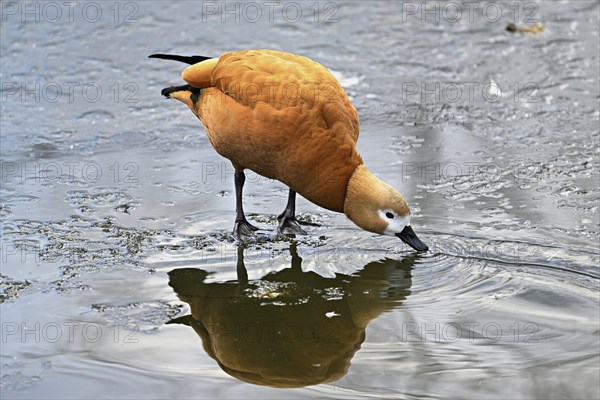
278	80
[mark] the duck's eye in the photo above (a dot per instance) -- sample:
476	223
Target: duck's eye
389	215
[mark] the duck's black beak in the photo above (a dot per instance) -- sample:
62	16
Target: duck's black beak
409	237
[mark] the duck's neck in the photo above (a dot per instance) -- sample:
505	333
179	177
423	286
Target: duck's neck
361	192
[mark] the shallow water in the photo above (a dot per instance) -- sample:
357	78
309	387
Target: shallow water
116	211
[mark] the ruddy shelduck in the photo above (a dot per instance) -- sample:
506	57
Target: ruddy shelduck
286	117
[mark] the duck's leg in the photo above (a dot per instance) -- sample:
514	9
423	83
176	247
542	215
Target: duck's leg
287	219
242	229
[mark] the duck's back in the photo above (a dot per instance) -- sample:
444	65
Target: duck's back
285	117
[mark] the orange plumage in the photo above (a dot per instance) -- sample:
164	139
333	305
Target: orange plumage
263	107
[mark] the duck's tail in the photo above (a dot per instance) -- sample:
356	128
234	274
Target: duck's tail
183	93
184	59
198	73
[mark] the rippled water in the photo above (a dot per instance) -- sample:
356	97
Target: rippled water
120	278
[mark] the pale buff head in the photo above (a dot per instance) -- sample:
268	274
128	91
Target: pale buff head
377	207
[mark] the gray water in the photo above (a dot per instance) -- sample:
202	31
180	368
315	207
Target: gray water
120	278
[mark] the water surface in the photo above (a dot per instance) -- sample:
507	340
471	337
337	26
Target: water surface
120	278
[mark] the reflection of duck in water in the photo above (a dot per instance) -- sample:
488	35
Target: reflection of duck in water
290	328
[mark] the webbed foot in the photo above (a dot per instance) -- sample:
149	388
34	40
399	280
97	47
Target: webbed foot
289	226
244	230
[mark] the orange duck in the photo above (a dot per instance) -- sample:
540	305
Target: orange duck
286	117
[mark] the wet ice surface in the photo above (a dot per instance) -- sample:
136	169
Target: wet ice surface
103	195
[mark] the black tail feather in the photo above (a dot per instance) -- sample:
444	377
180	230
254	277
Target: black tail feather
172	89
196	92
184	59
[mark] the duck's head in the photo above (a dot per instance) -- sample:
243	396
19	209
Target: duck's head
377	207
